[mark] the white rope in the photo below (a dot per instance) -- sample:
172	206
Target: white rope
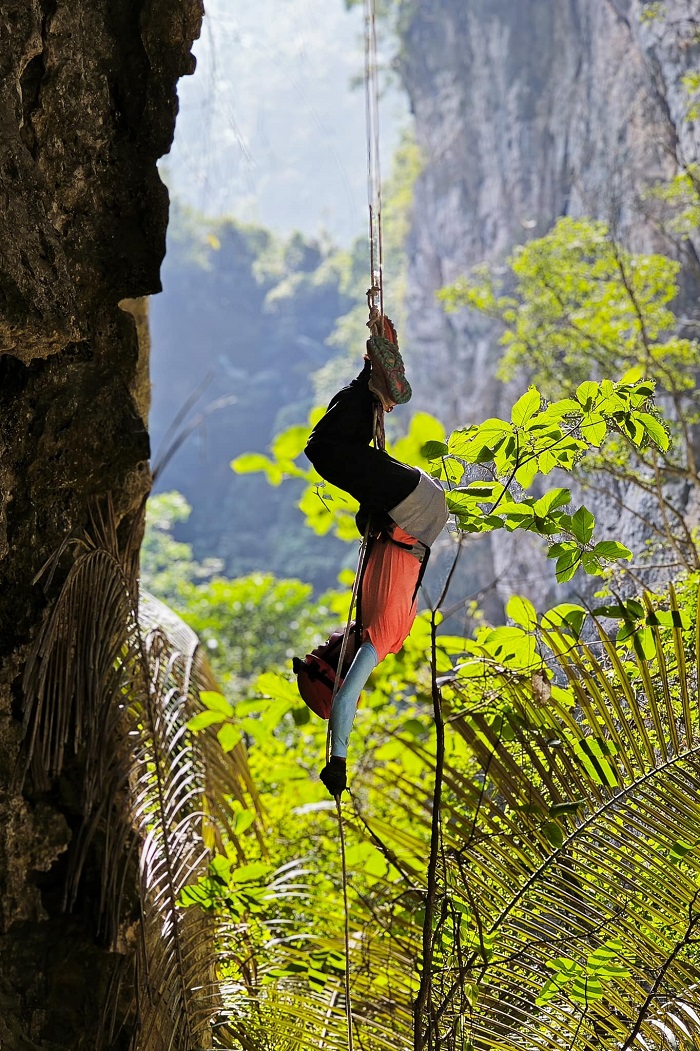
375	302
374	174
348	1001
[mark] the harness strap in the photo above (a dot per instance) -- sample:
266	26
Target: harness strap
421	574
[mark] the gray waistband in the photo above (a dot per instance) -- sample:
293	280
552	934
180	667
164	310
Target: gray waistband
423	514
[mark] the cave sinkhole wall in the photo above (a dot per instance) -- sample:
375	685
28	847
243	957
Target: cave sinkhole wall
527	110
87	106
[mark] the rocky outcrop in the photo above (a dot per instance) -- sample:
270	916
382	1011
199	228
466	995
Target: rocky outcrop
87	106
527	110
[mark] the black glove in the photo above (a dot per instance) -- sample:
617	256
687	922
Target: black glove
334	775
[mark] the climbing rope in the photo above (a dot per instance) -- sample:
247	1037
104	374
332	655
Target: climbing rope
375	303
379	443
339	813
375	295
348	1001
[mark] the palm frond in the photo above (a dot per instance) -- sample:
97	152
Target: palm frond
571	874
109	691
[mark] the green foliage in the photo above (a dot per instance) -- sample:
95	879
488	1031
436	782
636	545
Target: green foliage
569	839
247	624
691	83
285	295
487	467
680	197
549	745
579	307
583	307
167	564
652	10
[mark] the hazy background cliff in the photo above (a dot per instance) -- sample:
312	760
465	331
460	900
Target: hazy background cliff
525	112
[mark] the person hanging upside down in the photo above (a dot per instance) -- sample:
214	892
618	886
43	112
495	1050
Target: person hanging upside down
406	512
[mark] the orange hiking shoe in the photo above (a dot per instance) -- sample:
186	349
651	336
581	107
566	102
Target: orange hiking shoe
388	381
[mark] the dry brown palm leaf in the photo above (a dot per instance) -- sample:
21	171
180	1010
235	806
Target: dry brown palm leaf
108	699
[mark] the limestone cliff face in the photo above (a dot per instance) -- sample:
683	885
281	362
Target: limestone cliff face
87	105
527	110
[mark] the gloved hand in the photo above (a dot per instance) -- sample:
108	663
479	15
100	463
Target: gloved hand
334	775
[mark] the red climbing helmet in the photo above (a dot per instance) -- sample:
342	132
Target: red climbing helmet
317	671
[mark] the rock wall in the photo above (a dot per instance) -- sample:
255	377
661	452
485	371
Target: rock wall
527	110
87	106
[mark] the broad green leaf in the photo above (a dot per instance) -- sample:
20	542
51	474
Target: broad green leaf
564	966
423	429
582	525
592	564
204	719
527	472
433	450
611	550
460	502
654	429
566	616
585	989
551	500
513	647
563	407
525	407
229	736
675	618
493	427
244	819
609	611
586	392
460	440
644	645
566	565
255	870
552	988
594	428
483	491
547	461
610	950
522	611
633	374
633	428
216	702
554	833
560	809
276	686
290	443
249	463
220	866
680	848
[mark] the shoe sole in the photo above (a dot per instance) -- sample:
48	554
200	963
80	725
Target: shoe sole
388	380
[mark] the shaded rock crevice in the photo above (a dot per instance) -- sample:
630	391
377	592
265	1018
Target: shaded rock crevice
87	106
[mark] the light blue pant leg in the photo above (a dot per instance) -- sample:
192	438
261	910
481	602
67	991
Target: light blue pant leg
345	703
